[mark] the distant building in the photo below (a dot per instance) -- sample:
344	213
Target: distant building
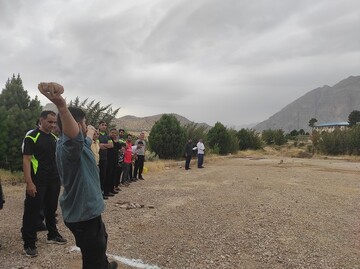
331	126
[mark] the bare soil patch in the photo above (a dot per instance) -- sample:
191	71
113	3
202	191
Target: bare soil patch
261	212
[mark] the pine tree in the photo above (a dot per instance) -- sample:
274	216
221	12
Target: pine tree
167	138
312	122
354	118
218	138
95	112
196	132
248	139
18	114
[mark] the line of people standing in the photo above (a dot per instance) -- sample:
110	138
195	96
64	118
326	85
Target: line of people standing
116	154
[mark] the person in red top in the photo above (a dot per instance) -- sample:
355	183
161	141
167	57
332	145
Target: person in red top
127	159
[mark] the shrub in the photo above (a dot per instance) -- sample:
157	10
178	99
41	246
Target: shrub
353	140
248	139
195	132
219	136
167	138
273	137
151	156
233	141
333	143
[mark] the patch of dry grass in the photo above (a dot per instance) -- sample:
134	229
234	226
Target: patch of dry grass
14	178
12	183
160	165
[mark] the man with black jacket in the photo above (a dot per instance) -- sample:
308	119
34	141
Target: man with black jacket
188	153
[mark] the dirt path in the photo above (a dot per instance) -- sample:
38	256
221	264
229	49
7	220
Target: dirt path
236	213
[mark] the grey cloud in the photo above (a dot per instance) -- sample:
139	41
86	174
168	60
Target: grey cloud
210	60
197	28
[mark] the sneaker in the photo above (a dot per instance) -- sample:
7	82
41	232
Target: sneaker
57	240
31	252
112	265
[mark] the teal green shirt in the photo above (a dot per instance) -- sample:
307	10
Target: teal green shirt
81	199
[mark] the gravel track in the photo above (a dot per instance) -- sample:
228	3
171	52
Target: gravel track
268	212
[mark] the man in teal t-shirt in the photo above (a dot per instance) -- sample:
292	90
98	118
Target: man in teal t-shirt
81	202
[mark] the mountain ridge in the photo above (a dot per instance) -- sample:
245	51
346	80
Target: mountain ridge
138	124
133	123
326	104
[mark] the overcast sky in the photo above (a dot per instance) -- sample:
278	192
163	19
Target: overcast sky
233	61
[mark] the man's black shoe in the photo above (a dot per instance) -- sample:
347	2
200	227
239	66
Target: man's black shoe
31	252
109	194
57	240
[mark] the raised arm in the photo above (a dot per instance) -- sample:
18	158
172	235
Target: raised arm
53	92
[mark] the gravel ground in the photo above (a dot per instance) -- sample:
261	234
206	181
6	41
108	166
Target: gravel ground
268	212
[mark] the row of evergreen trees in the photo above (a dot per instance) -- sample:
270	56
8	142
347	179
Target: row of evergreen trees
167	138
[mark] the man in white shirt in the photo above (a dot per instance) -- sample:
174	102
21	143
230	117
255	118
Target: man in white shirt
200	152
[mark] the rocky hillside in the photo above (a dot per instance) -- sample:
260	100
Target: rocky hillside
326	104
138	124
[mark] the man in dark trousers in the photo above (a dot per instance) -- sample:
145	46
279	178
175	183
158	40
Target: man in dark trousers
2	199
188	154
140	156
42	183
81	202
112	161
105	144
